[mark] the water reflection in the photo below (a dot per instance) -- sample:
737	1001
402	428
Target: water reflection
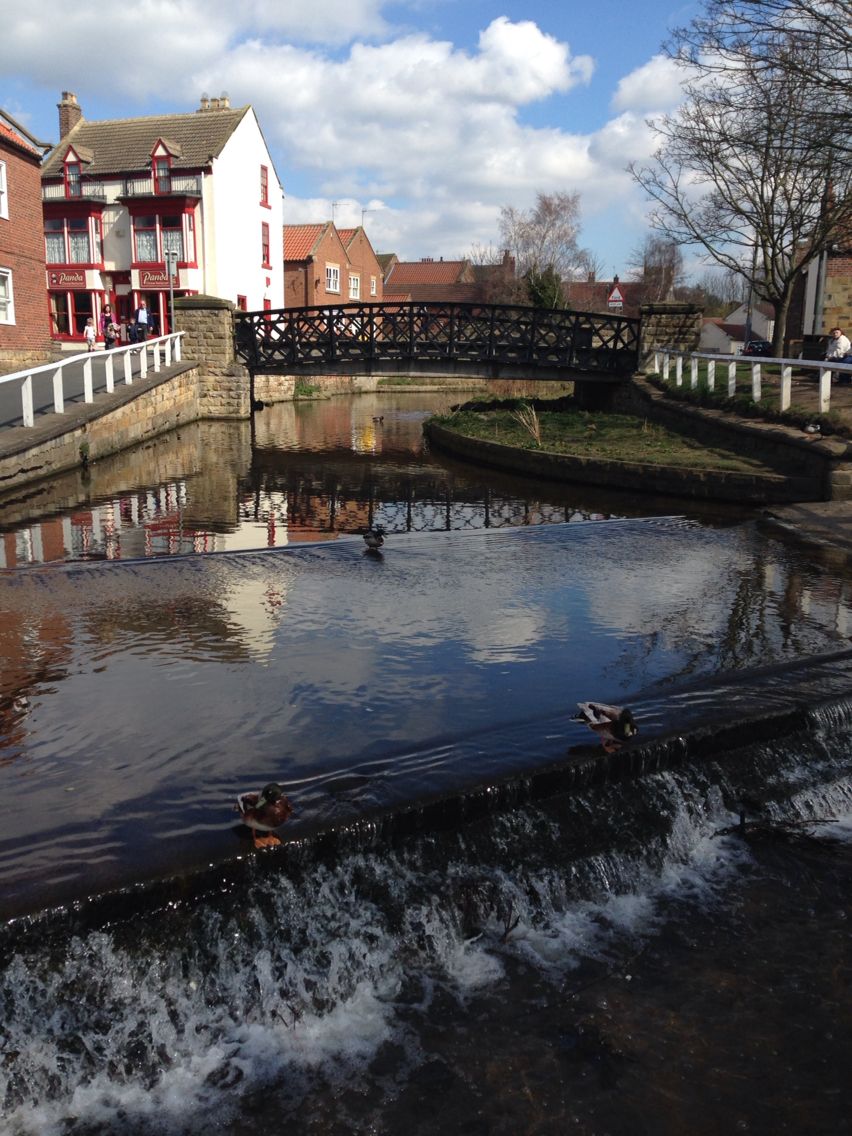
311	471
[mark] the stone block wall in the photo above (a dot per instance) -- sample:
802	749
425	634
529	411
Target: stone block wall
837	305
672	324
224	386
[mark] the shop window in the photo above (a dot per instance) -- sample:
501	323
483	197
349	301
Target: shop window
7	299
264	185
4	196
354	286
145	239
59	320
264	244
332	278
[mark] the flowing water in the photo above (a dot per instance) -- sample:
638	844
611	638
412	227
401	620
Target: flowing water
475	925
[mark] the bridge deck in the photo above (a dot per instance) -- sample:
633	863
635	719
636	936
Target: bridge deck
497	340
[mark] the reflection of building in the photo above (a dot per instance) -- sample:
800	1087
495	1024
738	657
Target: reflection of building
125	199
23	334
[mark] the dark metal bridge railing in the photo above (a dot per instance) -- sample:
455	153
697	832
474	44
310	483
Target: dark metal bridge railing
495	337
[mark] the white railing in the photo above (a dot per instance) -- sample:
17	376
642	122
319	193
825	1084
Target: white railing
732	364
98	369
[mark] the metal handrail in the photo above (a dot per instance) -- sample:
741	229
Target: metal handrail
663	357
163	350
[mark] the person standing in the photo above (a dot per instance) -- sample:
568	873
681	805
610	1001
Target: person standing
89	334
839	348
142	322
108	329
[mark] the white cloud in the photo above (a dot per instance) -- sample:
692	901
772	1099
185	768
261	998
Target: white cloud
441	136
655	86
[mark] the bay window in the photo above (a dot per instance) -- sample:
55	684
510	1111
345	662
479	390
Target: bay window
72	240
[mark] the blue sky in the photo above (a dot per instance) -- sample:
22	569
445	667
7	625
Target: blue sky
422	116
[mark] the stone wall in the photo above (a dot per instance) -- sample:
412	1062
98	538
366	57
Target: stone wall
224	386
673	325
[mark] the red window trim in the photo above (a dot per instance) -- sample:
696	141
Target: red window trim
264	245
155	160
264	187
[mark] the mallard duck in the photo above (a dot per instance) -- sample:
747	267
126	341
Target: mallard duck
374	537
263	812
613	724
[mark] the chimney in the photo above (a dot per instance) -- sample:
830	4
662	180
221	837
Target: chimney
205	102
69	113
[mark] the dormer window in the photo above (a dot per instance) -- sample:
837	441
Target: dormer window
163	174
73	181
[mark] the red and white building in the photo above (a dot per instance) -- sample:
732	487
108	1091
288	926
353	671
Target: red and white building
126	199
24	337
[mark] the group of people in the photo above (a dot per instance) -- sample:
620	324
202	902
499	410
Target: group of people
137	330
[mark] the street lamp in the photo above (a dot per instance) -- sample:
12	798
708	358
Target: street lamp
171	268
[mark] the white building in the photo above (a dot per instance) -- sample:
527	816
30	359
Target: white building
123	198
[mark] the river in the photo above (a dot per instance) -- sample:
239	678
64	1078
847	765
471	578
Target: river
441	944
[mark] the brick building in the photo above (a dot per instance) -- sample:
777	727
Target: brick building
24	336
124	198
822	299
326	265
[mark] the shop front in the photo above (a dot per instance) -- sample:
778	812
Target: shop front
73	298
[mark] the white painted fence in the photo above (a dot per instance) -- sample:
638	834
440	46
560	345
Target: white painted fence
733	364
152	355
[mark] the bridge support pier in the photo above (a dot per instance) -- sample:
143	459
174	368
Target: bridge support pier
224	384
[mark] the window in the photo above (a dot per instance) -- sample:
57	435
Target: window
70	240
354	286
145	238
264	185
372	286
4	197
332	278
242	304
7	303
73	186
264	244
173	236
162	175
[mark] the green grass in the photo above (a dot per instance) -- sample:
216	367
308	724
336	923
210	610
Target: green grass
302	389
603	437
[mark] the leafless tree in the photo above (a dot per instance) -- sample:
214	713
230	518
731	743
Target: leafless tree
544	237
658	263
741	172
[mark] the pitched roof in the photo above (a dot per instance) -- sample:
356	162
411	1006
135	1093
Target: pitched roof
123	144
9	134
301	241
426	272
346	235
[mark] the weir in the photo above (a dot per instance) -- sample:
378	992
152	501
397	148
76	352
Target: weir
462	862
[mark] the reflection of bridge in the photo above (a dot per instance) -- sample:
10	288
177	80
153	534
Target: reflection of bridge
495	340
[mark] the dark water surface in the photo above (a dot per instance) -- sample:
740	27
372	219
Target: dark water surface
624	959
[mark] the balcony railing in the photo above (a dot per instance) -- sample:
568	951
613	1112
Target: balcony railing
187	185
84	191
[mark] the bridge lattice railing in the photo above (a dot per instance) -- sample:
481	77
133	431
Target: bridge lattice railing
463	333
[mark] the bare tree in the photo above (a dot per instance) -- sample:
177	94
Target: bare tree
741	172
726	31
658	263
543	240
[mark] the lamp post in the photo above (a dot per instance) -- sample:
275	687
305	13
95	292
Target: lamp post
171	267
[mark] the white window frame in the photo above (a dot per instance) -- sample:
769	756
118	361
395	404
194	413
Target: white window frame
4	193
373	287
7	317
332	278
354	286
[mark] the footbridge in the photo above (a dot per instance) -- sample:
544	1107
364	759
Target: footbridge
492	340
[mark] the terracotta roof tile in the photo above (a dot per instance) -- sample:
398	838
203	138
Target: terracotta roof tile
301	240
9	135
125	144
426	272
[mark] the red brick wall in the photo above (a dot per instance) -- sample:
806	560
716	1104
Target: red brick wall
837	306
22	251
362	260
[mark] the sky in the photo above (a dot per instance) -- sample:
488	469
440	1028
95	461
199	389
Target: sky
418	118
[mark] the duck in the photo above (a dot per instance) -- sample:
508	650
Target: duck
614	725
378	417
263	812
374	537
